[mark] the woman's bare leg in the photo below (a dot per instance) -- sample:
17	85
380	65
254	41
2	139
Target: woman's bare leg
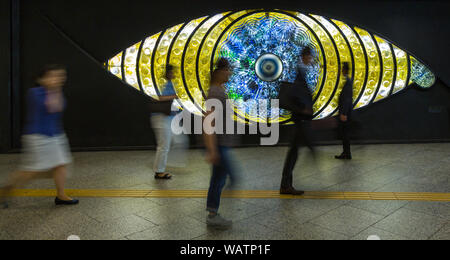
18	180
59	175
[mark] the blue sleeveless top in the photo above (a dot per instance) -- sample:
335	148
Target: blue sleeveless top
39	120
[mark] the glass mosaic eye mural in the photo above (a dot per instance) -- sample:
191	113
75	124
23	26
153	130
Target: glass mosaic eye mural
264	48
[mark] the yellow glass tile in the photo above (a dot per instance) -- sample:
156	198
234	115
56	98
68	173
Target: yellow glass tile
345	56
331	62
374	68
162	51
402	69
115	65
204	66
190	59
320	57
145	63
388	69
358	55
176	57
130	65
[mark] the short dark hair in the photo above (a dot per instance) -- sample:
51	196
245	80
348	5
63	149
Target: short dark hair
223	64
169	68
307	51
346	67
47	68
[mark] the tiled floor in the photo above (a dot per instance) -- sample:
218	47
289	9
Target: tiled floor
375	168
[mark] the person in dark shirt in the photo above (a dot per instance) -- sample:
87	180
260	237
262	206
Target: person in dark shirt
218	147
46	151
301	105
345	113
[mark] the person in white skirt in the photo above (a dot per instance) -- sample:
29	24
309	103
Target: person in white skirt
46	152
162	114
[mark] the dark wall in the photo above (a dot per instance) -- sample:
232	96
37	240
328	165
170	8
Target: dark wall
103	112
5	58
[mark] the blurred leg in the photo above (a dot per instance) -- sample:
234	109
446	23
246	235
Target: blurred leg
291	160
346	138
229	167
59	176
218	180
18	180
344	132
308	136
163	134
178	151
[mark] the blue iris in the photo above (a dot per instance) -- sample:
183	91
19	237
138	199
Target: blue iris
248	46
269	67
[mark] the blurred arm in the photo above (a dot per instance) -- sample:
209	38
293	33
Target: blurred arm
211	142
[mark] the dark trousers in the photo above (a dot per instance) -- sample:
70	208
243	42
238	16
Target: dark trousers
345	135
302	137
220	172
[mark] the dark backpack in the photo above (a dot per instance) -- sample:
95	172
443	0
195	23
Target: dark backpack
297	99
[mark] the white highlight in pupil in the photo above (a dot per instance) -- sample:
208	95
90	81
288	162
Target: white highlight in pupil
269	67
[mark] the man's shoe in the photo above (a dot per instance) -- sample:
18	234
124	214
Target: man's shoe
343	157
4	205
291	191
59	202
3	200
218	222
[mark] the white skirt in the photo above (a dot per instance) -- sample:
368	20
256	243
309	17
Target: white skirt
42	153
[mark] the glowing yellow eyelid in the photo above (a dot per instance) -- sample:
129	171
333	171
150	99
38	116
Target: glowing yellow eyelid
115	65
345	56
374	65
176	58
204	65
387	82
402	69
146	67
359	57
130	65
411	61
379	68
190	59
239	110
315	42
331	60
160	62
321	56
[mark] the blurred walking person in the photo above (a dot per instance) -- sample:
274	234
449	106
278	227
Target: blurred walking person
218	146
345	113
46	152
297	98
161	119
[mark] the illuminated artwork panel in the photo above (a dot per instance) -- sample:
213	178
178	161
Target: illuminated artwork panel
264	46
